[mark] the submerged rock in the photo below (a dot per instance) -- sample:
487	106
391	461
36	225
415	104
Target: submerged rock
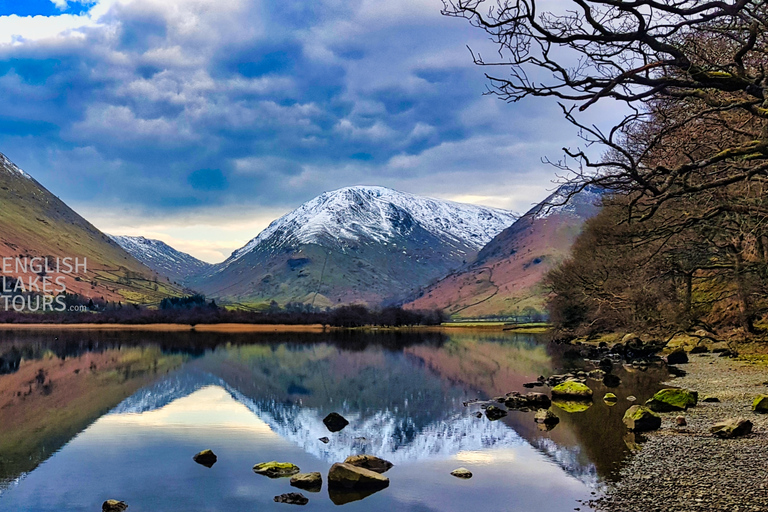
347	476
205	458
343	496
573	390
732	427
641	419
546	416
494	413
335	422
572	405
276	469
760	404
369	462
308	481
113	506
462	473
292	498
670	399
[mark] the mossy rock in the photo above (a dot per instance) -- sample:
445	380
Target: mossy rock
572	405
276	469
760	404
641	419
573	390
610	399
670	399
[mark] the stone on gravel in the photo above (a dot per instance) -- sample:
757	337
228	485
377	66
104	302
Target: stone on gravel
369	462
113	506
732	427
347	476
205	458
641	419
462	473
276	469
680	421
572	390
335	422
677	357
671	399
292	498
760	404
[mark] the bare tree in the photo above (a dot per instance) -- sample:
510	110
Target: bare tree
707	58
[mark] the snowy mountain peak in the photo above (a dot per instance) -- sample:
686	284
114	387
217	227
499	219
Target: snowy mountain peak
10	166
161	257
364	214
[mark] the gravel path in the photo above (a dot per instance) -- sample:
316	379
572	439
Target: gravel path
686	468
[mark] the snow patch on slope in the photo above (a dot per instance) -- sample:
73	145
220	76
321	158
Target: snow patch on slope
5	162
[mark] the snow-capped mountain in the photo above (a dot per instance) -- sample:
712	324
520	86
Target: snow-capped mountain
356	244
162	258
366	214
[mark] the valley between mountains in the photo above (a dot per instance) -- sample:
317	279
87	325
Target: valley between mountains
356	245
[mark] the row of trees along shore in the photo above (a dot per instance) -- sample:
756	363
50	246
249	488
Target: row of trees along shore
683	237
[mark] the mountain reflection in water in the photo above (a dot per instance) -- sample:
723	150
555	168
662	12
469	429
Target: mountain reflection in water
253	398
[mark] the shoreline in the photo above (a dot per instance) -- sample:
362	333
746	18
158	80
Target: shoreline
682	469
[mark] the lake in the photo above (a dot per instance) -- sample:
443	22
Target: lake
87	416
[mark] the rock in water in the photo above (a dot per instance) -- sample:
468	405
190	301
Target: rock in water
668	400
732	427
335	422
462	473
347	476
292	498
276	469
610	399
206	458
611	381
547	417
369	462
324	440
308	481
494	413
760	404
572	390
677	357
537	400
113	506
641	419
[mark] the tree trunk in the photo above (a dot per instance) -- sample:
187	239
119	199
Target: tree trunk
742	296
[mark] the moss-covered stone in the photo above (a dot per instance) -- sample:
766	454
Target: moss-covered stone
670	399
610	399
573	390
641	419
276	469
760	404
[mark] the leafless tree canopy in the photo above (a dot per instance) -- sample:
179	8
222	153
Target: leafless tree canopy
682	67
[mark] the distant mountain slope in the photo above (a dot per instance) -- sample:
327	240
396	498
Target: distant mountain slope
162	258
35	223
355	244
505	279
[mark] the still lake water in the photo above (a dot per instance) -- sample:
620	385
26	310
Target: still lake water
87	416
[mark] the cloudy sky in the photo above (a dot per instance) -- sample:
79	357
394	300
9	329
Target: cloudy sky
200	121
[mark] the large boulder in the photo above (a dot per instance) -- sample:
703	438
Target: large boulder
113	506
347	476
677	357
308	481
732	427
335	422
369	462
276	469
670	399
760	404
205	458
641	419
572	390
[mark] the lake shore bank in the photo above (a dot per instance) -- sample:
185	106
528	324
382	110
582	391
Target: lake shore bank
679	469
